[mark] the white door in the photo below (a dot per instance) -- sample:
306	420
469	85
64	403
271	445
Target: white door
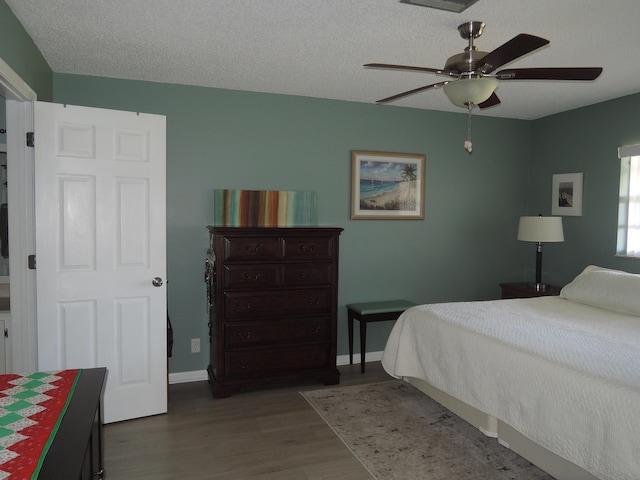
100	248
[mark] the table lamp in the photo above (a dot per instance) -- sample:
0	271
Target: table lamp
540	230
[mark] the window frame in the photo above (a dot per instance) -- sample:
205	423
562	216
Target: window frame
628	231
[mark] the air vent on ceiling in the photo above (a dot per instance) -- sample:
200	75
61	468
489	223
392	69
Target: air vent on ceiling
448	5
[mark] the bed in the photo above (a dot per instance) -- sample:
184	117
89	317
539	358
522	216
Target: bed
51	425
556	379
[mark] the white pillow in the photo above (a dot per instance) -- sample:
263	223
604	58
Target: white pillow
610	289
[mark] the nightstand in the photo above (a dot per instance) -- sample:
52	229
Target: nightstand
527	290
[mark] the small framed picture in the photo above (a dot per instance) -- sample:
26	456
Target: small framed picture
387	186
566	196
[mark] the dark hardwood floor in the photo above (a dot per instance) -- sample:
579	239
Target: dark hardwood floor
264	433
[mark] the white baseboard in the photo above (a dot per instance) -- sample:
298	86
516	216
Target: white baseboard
186	377
201	375
369	357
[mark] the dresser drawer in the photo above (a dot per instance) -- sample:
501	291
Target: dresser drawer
308	248
290	330
259	362
278	302
252	275
251	248
259	275
307	274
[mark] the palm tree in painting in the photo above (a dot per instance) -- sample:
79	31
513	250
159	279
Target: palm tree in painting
409	172
409	175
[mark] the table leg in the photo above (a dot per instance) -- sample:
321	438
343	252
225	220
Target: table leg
350	326
363	343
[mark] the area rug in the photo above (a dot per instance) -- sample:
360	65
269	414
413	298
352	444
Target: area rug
397	432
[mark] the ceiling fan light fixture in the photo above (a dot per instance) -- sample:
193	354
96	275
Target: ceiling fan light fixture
448	5
471	91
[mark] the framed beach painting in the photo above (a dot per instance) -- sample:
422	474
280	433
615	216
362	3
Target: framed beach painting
387	186
566	197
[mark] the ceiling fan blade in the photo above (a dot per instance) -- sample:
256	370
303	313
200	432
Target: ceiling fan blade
411	92
515	48
492	101
579	73
403	67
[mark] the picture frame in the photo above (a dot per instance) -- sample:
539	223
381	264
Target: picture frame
566	195
387	185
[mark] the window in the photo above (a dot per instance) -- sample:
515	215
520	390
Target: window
629	204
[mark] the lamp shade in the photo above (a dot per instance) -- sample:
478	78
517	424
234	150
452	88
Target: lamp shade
471	90
540	229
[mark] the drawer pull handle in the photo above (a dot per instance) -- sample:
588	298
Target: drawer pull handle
255	276
255	250
314	330
245	335
313	302
244	366
244	306
306	275
305	249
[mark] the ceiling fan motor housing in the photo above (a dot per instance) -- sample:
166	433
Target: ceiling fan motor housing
466	62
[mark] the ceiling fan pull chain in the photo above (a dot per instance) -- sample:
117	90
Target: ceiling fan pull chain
468	145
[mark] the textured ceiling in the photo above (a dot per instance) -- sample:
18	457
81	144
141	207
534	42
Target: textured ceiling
316	48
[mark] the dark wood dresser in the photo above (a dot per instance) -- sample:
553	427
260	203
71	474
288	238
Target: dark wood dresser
272	306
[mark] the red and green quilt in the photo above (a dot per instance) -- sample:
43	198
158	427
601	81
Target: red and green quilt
31	409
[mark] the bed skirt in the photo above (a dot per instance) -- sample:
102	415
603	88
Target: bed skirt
509	437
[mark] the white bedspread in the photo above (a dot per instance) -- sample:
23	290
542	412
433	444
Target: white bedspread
565	375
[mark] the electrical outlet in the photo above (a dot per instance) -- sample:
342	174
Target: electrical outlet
195	345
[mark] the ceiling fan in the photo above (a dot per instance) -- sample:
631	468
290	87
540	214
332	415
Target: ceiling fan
473	77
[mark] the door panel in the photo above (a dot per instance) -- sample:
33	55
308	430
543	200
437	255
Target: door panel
133	325
133	226
100	240
77	222
77	324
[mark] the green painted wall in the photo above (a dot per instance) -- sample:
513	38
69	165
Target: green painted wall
22	55
232	139
584	140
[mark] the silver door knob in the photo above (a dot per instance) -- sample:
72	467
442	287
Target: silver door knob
157	282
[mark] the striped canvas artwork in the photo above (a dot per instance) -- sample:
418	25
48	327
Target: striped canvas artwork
264	208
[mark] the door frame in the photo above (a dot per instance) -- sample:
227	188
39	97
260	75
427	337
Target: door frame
21	343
